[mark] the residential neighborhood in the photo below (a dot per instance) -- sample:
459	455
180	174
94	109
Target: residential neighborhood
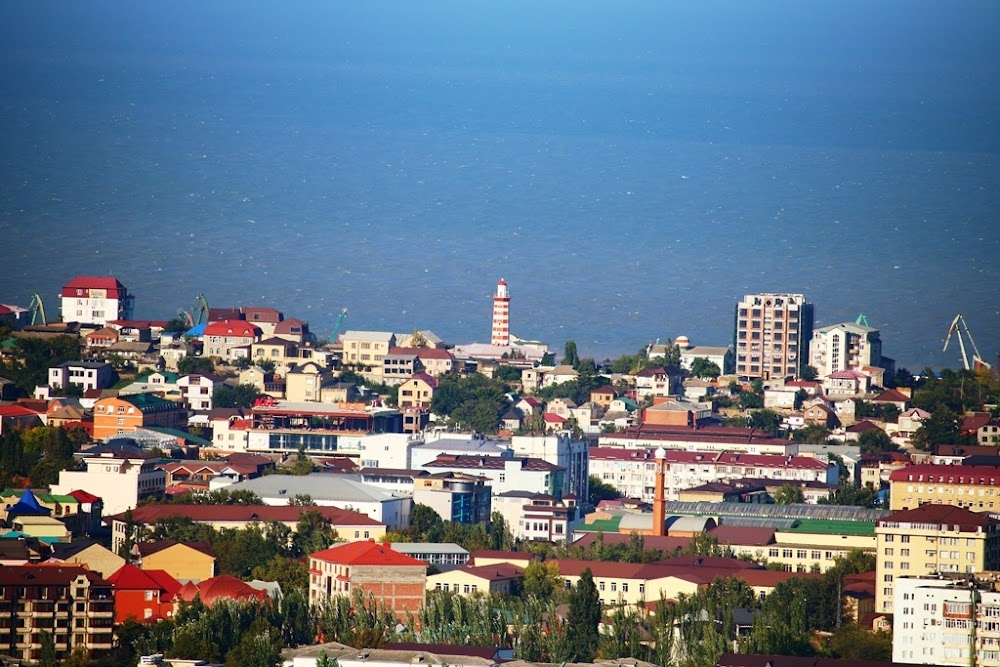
157	473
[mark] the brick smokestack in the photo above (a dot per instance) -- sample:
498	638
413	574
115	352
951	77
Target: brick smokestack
659	493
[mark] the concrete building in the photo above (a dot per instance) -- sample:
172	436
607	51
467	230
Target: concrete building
75	605
703	439
222	339
974	487
932	539
772	335
197	390
456	497
95	300
505	473
120	476
844	346
562	450
946	621
633	471
443	555
367	350
722	357
119	415
85	374
375	570
537	516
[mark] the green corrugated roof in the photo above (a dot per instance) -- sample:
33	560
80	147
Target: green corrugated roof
147	402
43	497
169	376
180	434
605	525
832	527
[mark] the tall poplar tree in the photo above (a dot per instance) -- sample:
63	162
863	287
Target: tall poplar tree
584	618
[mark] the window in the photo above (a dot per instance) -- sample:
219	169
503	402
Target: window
904	538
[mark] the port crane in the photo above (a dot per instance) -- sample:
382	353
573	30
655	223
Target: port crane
958	325
37	309
340	323
200	310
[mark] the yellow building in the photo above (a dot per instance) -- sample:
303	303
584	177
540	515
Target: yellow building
932	539
89	554
472	580
193	561
974	487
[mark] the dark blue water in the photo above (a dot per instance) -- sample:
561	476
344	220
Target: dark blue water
631	168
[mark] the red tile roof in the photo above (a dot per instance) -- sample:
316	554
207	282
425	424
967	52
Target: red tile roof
16	410
239	328
114	288
891	396
366	553
83	497
46	575
430	352
149	548
244	513
944	474
130	578
220	587
942	515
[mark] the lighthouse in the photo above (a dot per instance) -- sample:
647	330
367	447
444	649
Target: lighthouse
501	315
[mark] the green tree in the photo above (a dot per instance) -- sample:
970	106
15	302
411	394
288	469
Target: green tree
425	521
849	642
808	373
751	401
765	420
500	536
584	618
788	495
813	434
192	364
47	654
570	356
542	580
876	442
599	490
941	428
703	368
507	373
313	533
240	396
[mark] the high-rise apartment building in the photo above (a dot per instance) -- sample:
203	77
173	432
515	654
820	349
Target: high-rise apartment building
844	346
95	300
772	335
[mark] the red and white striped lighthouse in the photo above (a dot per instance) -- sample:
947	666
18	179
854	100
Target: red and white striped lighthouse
501	315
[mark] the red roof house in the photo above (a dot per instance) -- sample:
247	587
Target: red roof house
392	578
146	596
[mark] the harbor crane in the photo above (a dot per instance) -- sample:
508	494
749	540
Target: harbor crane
958	325
340	323
37	309
200	310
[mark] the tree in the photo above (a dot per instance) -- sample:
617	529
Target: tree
570	356
584	618
703	368
240	396
751	401
941	428
850	642
765	420
813	434
542	580
600	490
192	364
507	373
424	521
47	654
876	441
808	373
788	495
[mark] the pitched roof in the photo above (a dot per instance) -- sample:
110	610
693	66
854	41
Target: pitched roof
945	474
891	396
46	575
239	328
108	283
941	515
366	553
245	513
150	548
131	578
222	586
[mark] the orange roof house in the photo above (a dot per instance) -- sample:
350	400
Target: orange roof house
393	579
143	595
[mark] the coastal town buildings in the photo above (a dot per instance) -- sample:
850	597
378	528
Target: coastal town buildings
845	346
95	300
121	475
932	539
374	569
772	335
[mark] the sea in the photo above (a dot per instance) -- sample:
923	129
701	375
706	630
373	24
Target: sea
631	168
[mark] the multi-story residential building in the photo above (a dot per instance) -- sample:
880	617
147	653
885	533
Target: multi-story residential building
73	604
436	361
844	346
85	374
377	571
444	555
367	350
282	352
266	319
633	471
704	439
116	415
95	300
222	339
722	357
346	523
197	390
974	487
772	335
469	580
932	539
946	621
538	516
848	382
417	391
120	475
230	429
562	450
659	381
505	473
143	595
399	364
293	330
456	497
675	412
304	382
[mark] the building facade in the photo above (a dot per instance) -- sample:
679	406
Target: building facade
772	335
929	540
121	478
974	487
844	346
95	300
372	569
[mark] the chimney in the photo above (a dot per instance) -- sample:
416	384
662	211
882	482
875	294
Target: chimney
659	495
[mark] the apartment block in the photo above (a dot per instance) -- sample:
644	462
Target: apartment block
946	621
844	346
120	476
73	604
95	300
974	487
772	335
932	539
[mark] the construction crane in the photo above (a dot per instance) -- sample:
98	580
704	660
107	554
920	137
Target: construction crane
340	323
200	309
37	309
957	326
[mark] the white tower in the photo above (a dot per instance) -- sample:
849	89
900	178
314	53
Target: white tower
501	315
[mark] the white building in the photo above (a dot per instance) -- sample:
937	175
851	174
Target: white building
95	300
505	473
633	472
720	356
945	621
197	390
538	517
331	490
87	374
563	451
120	476
844	346
405	451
